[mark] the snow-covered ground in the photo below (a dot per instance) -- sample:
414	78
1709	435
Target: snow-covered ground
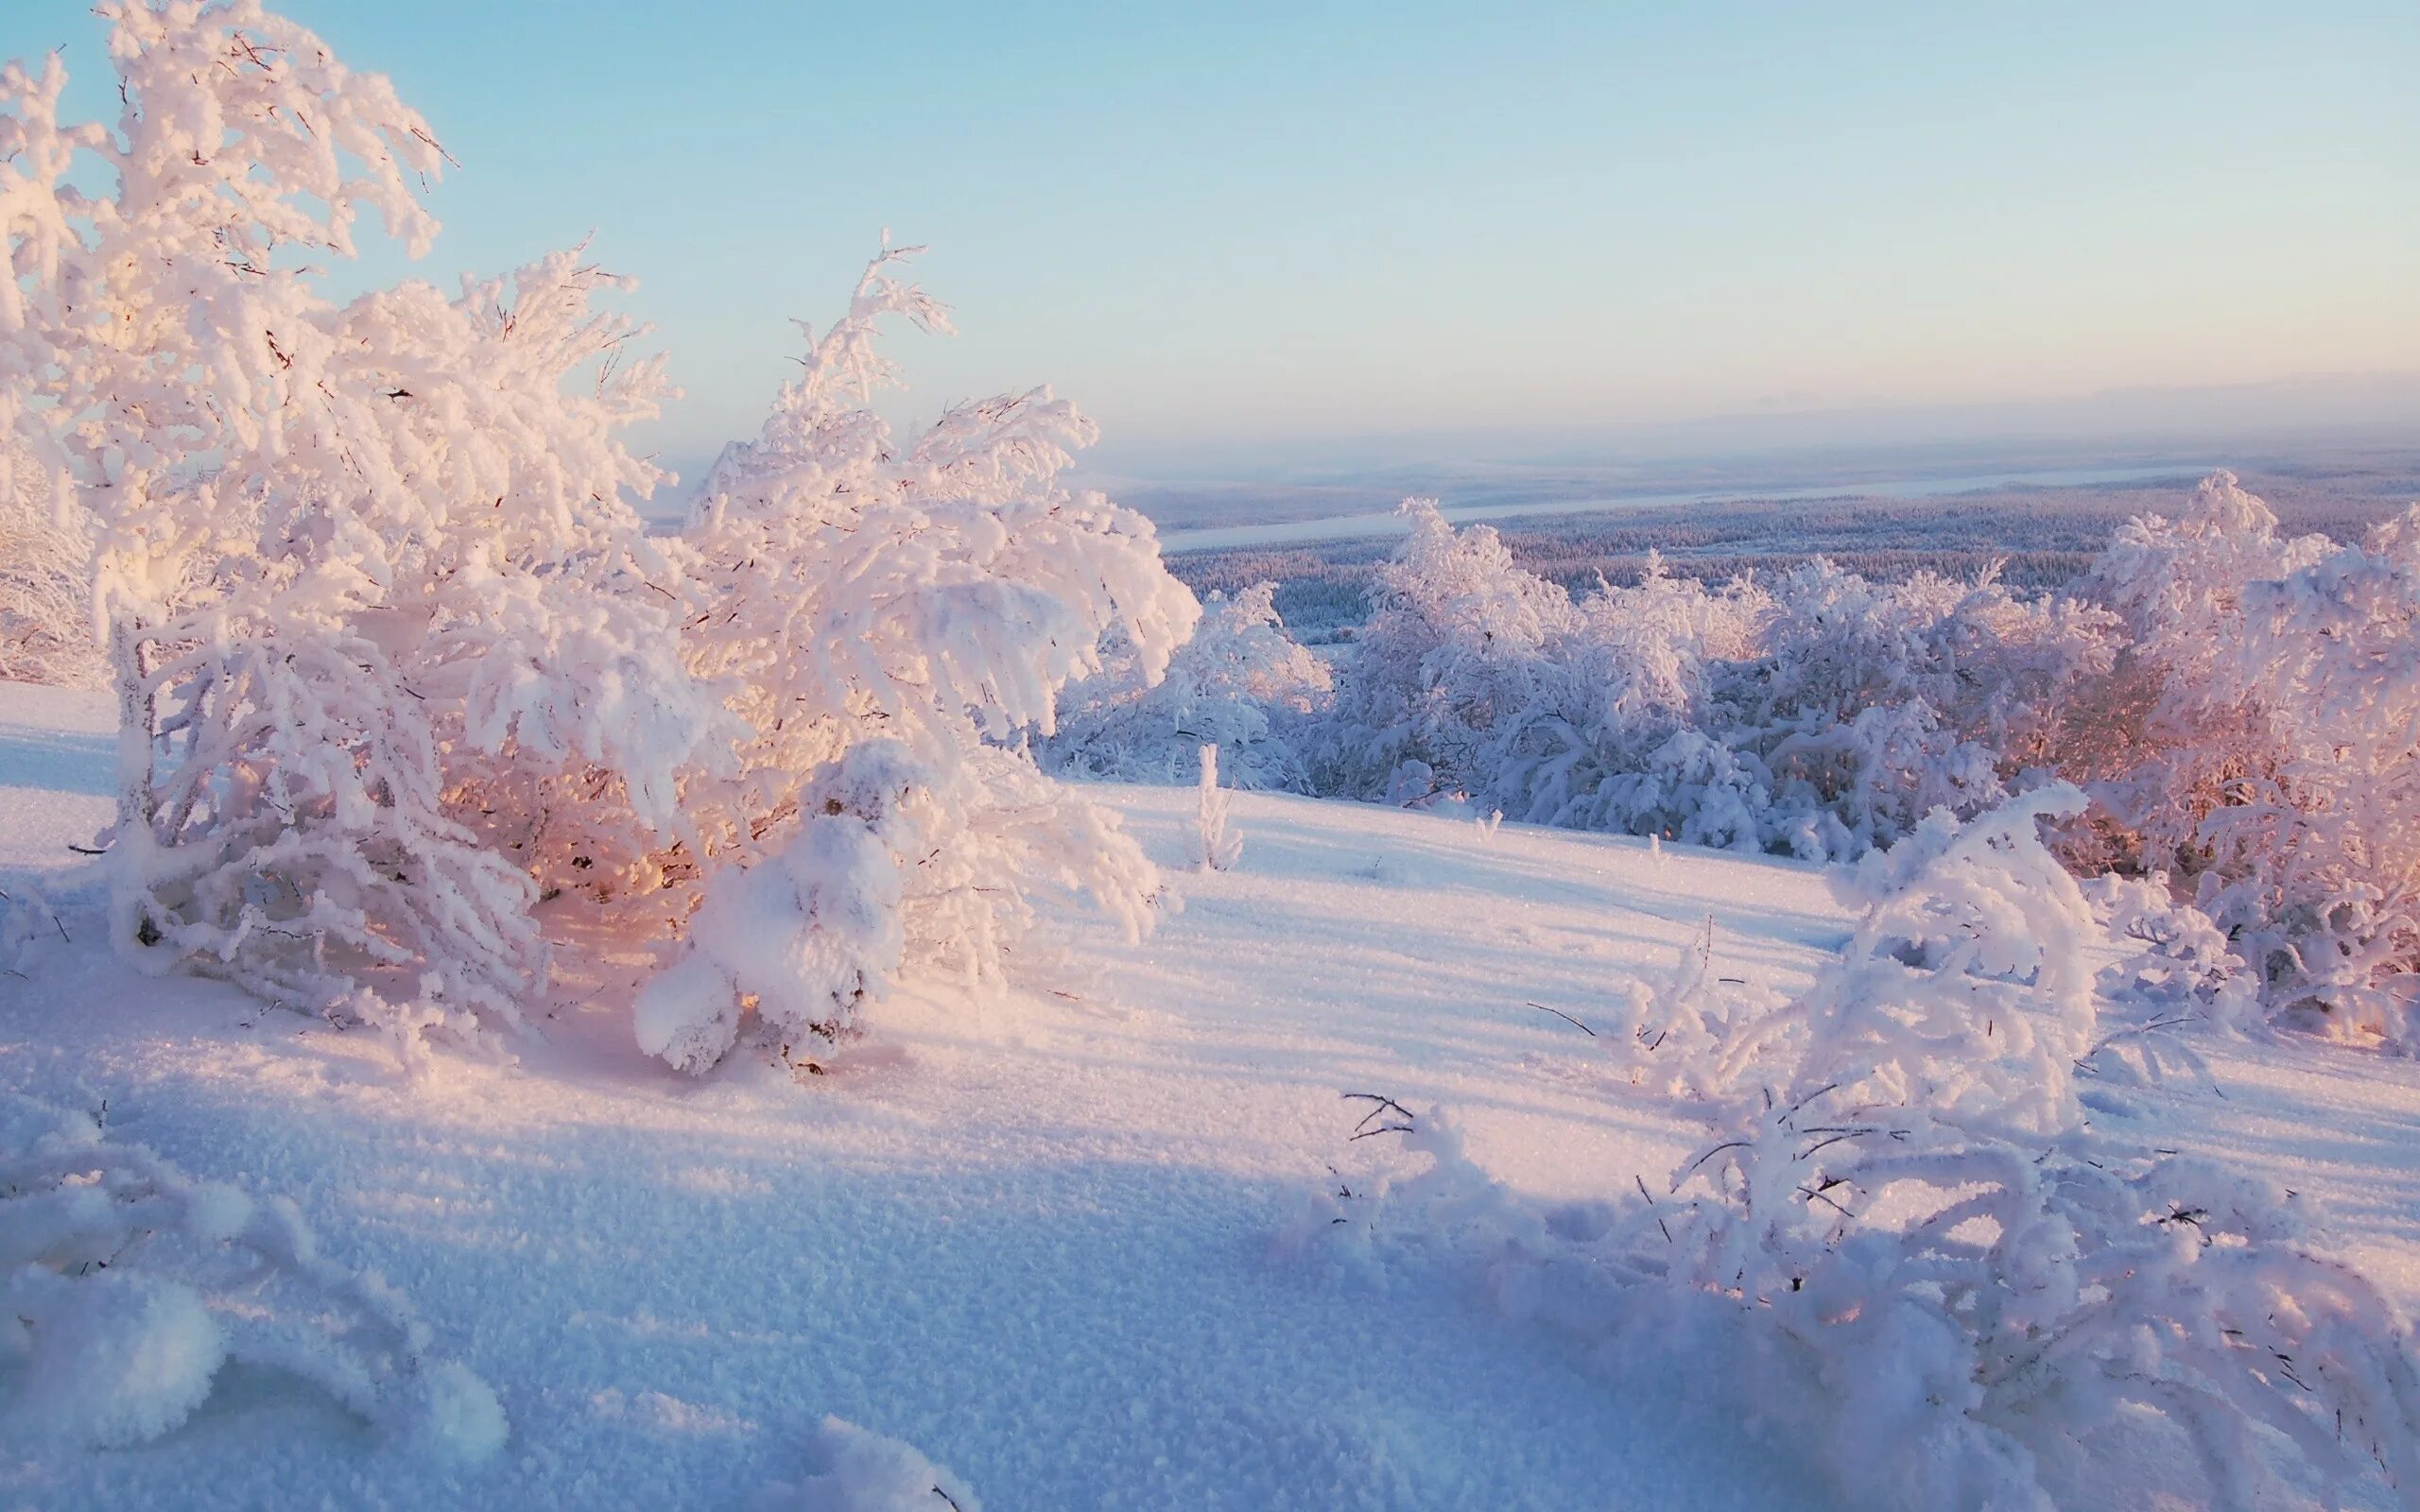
1038	1238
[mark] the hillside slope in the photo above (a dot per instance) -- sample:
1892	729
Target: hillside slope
1034	1236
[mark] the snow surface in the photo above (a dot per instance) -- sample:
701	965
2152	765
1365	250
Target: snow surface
1037	1238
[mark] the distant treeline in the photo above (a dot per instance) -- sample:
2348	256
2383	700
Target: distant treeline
2043	539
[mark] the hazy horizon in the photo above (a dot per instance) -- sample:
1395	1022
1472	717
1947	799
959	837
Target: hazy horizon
1264	240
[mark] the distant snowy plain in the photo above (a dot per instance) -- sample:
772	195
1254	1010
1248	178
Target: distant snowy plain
1389	523
1036	1237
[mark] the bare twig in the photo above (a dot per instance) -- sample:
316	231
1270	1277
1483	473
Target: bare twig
1564	1017
1380	1107
1689	1168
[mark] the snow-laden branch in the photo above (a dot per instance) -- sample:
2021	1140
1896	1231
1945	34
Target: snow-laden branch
126	1285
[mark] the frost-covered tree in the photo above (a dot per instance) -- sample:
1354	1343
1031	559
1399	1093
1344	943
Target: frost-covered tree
887	619
1868	704
2170	732
2316	860
1618	738
367	571
1241	683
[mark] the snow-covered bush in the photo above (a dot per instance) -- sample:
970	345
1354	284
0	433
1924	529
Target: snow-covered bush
1868	704
1909	1254
2243	709
1615	740
1450	648
124	1286
2180	967
1819	715
885	620
2317	861
1674	1024
1214	846
371	587
2275	762
807	933
45	578
1241	683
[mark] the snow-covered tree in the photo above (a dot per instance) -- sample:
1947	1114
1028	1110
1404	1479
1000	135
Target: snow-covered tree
1241	683
2316	861
2171	733
368	573
886	620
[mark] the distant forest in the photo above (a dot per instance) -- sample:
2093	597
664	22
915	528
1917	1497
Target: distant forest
2044	538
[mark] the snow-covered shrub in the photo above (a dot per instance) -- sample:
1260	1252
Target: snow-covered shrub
807	933
1910	1255
124	1285
2179	965
1241	683
2316	862
1867	705
1960	1287
1614	740
45	577
856	1469
1450	649
1674	1024
1214	846
27	922
2274	764
885	620
1965	991
1818	715
370	583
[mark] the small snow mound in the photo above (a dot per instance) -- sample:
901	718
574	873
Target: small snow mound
458	1417
124	1285
855	1470
104	1360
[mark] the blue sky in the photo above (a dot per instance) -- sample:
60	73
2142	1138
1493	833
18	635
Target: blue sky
1235	226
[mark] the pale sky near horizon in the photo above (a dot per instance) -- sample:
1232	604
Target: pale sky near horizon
1242	225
